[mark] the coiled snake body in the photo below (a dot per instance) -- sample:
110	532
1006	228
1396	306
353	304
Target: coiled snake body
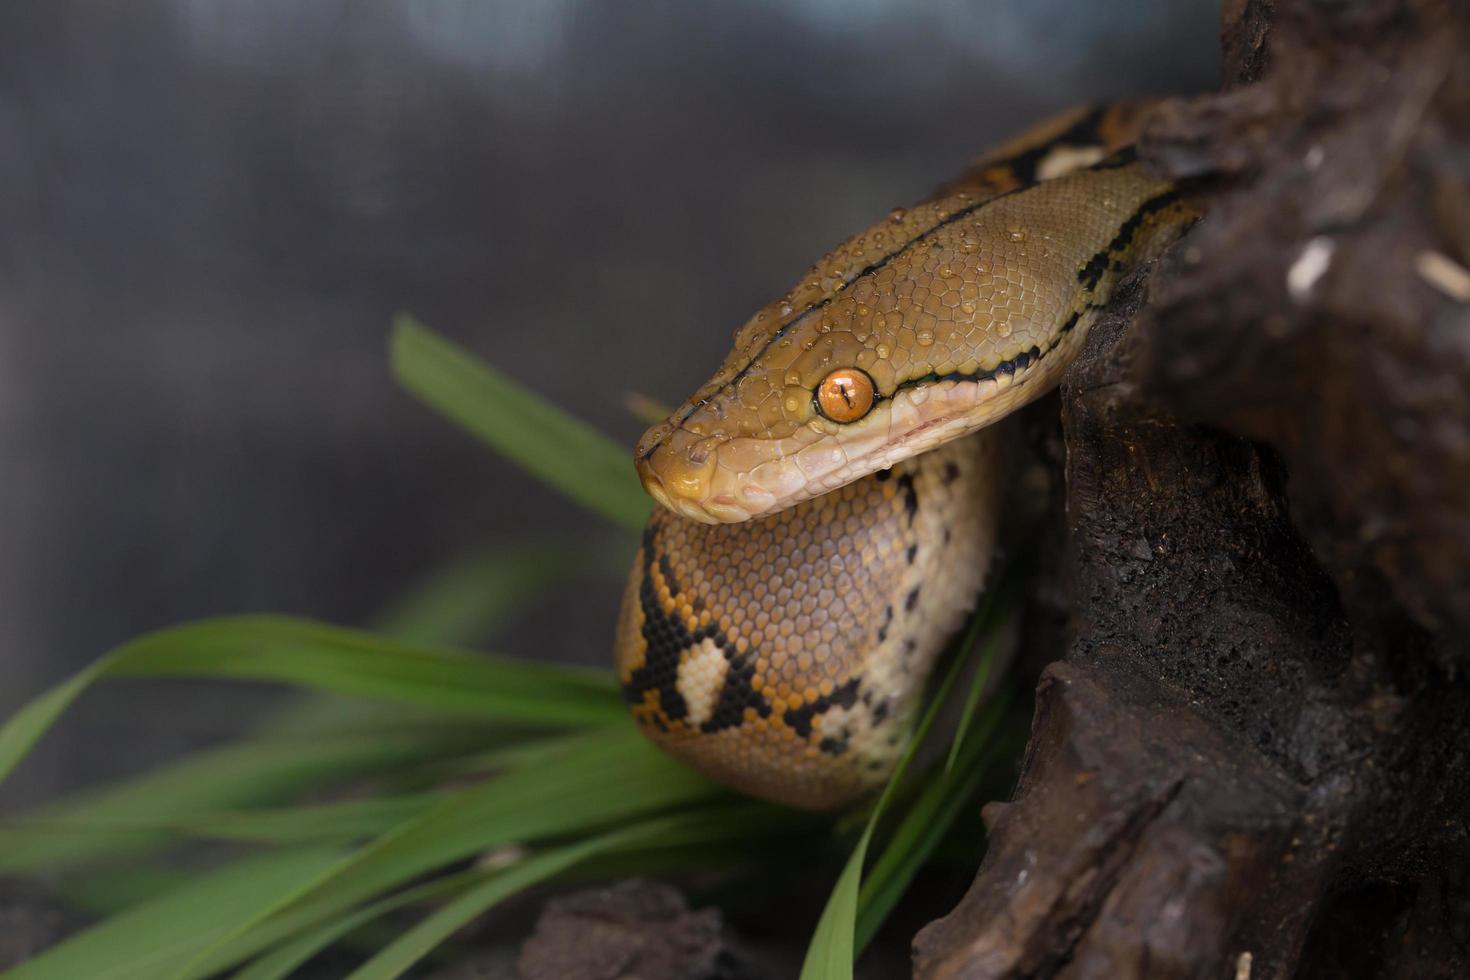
830	497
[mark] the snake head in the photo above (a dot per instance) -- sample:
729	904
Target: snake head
747	443
814	397
923	328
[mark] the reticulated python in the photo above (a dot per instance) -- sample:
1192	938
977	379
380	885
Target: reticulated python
825	527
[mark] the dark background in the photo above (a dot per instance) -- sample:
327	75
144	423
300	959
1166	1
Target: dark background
210	209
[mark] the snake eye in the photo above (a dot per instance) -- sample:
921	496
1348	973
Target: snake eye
846	395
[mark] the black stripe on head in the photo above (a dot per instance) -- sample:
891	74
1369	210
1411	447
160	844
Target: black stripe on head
1088	278
1091	273
1082	133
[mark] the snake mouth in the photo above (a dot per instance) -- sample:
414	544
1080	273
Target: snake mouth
743	479
693	484
717	508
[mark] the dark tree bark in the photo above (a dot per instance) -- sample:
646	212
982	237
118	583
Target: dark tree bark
1254	760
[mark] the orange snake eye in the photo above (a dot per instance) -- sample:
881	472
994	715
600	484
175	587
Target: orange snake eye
846	395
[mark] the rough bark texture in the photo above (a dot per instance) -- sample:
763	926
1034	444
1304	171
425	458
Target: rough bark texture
634	930
1254	760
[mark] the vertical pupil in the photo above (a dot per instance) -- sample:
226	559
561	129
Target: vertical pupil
845	395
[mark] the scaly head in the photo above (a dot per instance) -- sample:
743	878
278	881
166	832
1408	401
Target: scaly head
927	326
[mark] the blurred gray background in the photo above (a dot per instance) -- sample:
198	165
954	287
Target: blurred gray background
210	209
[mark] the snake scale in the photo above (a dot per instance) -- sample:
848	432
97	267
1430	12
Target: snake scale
831	496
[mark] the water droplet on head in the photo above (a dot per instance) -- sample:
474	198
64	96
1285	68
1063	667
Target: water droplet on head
897	215
882	351
1002	328
1016	234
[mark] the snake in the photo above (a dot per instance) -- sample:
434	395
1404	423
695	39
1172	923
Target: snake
830	499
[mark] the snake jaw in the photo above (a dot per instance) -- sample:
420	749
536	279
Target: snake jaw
712	493
742	479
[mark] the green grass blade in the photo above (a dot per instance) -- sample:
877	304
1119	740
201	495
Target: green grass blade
832	949
591	786
830	954
401	954
925	824
736	821
733	824
101	892
246	774
468	599
995	617
159	937
563	452
333	658
282	961
343	821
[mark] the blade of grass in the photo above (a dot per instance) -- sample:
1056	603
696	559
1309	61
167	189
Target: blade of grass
563	452
160	936
832	950
401	954
283	960
621	777
333	658
923	826
464	601
232	915
735	821
995	635
343	821
830	953
244	774
101	892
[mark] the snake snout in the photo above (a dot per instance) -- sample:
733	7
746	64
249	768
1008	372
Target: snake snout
681	482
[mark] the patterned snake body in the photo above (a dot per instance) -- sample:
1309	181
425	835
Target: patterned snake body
830	496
